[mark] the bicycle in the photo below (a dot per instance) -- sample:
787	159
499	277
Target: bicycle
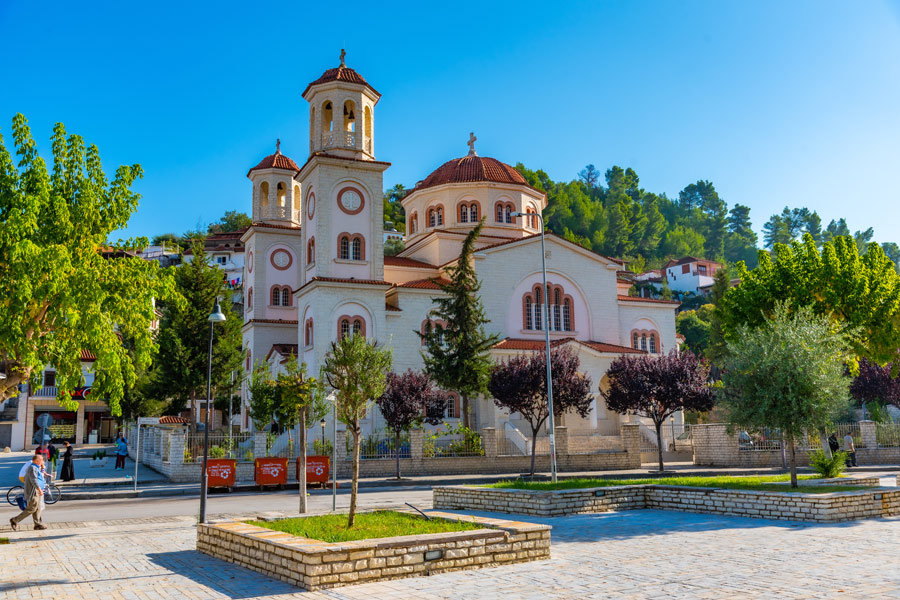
52	494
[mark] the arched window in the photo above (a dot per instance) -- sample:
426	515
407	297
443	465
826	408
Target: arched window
308	333
432	217
357	326
414	223
567	314
507	213
473	212
250	299
282	194
652	343
561	310
311	251
368	125
451	406
440	215
286	296
345	327
529	312
356	249
345	248
463	213
327	118
557	309
248	360
500	218
538	310
264	194
276	296
644	341
351	324
634	341
349	116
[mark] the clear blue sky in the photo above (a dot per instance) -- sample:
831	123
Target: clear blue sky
778	103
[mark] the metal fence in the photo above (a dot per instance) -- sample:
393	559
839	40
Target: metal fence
238	446
379	445
771	439
887	435
443	447
512	442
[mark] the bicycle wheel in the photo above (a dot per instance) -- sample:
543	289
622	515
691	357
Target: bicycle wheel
16	490
52	494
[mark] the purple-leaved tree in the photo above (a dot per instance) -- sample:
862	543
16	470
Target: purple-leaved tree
409	400
875	384
656	387
519	384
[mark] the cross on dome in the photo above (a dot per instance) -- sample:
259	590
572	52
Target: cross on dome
278	146
471	144
343	54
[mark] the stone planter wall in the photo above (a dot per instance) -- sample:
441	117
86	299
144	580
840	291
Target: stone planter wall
819	508
313	564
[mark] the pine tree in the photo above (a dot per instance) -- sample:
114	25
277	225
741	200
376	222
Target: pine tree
457	354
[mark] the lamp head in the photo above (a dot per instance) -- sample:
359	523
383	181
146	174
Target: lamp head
322	423
517	213
217	316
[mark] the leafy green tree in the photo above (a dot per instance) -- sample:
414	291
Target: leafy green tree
263	395
357	371
683	241
457	355
300	400
862	239
861	293
232	220
393	247
695	328
590	176
835	229
64	287
892	251
180	373
786	373
393	209
716	347
169	239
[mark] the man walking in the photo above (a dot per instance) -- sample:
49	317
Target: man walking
850	449
34	495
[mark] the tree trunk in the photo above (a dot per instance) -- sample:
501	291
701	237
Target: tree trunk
534	433
465	410
397	451
823	439
659	445
793	463
301	462
354	475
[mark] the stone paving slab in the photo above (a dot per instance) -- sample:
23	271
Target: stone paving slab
635	554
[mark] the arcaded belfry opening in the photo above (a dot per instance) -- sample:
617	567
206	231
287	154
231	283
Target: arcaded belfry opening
327	117
264	196
349	116
282	194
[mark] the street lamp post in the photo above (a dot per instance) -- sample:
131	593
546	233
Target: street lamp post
215	317
546	324
323	423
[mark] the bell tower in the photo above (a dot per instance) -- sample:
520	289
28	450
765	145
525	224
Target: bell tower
341	113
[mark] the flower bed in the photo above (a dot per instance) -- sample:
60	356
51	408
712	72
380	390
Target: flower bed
314	564
787	505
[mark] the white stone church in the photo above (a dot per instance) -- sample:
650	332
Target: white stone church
315	267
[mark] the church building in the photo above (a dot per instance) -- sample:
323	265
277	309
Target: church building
315	267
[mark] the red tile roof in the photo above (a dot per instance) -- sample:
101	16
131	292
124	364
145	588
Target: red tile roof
550	234
274	226
87	355
274	321
470	169
344	280
390	308
424	284
283	349
402	261
651	300
342	73
276	161
171	420
527	344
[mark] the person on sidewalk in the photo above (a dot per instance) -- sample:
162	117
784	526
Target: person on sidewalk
833	442
121	451
68	470
34	495
850	449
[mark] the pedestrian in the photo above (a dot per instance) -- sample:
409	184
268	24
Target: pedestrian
274	428
68	470
121	451
53	453
833	442
850	449
34	495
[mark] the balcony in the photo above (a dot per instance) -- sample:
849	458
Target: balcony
339	139
48	391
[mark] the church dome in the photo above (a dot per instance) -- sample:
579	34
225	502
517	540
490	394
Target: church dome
471	169
340	73
276	161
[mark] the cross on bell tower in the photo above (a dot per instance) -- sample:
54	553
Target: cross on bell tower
471	144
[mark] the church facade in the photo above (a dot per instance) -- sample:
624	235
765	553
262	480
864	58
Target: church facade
315	267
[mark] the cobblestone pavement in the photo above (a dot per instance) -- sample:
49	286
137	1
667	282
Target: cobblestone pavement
635	554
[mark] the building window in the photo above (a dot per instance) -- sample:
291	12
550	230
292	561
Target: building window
276	296
685	269
286	296
345	327
473	212
644	341
354	324
49	378
357	326
221	259
248	360
701	269
558	316
634	341
250	299
311	251
652	344
434	325
308	333
463	213
451	406
344	252
356	249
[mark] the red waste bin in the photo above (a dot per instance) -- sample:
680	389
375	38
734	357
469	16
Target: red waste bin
221	472
316	469
271	470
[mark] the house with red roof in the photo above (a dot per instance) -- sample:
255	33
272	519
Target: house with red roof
315	267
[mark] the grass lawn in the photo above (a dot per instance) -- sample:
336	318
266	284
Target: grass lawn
767	483
378	524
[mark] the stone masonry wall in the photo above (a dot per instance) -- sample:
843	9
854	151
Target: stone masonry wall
821	508
313	564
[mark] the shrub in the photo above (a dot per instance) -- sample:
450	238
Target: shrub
828	467
99	454
248	455
321	448
187	455
217	452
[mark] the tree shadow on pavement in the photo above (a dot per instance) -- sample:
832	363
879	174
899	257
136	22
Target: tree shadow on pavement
220	576
6	588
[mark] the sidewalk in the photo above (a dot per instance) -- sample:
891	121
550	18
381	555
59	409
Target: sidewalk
157	487
86	475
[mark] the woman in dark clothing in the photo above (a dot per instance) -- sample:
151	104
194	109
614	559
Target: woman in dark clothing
68	471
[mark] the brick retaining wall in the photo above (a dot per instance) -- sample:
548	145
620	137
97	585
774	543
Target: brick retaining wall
820	508
313	564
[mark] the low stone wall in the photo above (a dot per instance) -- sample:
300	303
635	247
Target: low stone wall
313	564
819	508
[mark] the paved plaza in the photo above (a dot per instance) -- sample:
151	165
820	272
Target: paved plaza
636	554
